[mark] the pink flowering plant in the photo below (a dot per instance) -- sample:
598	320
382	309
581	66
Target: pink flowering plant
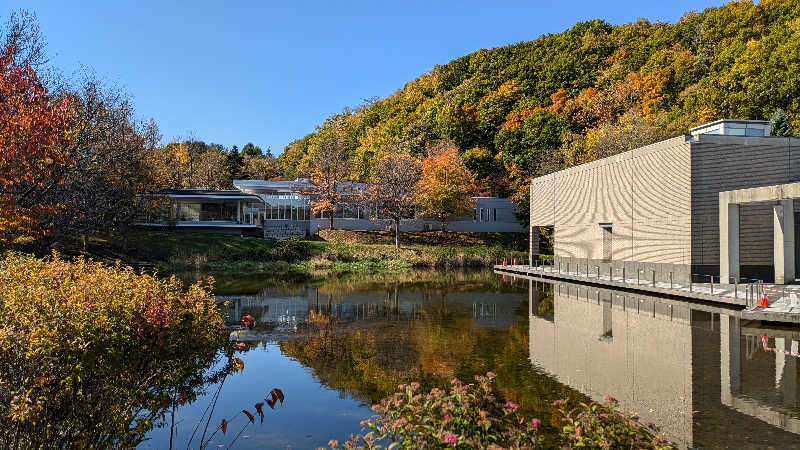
602	425
464	416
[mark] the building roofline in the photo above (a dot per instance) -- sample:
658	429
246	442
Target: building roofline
737	121
682	139
685	139
206	193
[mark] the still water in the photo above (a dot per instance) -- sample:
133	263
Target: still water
705	377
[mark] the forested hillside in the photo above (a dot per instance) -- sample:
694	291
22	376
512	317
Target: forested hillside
596	89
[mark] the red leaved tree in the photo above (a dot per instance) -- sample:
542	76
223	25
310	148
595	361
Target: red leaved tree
34	129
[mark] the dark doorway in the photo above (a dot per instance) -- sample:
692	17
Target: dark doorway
546	238
608	241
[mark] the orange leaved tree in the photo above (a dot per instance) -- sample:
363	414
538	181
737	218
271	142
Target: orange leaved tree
329	163
446	186
33	133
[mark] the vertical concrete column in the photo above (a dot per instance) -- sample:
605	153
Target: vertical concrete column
532	297
780	360
729	265
786	372
730	360
534	244
783	246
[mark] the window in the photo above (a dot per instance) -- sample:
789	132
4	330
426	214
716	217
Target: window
608	243
495	214
754	132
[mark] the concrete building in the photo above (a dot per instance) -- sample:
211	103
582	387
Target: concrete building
656	208
280	209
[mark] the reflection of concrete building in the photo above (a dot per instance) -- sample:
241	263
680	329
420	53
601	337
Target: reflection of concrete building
684	367
659	204
281	209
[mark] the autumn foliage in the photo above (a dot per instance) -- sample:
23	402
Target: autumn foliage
34	129
593	90
91	355
446	185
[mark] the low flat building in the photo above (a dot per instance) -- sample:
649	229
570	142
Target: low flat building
656	208
281	209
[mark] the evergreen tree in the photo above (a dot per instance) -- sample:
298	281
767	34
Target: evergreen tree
251	150
234	163
780	125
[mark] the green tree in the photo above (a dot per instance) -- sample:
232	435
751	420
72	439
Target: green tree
251	150
532	144
780	124
234	162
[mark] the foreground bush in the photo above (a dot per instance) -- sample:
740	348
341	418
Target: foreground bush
602	425
465	416
469	416
92	356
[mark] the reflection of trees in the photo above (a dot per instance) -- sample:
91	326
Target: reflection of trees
368	359
117	403
444	339
449	281
454	280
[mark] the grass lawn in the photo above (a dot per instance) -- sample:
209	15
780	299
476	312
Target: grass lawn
332	252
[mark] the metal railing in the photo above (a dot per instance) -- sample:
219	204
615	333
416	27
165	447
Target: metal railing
749	289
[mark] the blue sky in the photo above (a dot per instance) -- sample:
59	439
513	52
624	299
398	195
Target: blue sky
267	72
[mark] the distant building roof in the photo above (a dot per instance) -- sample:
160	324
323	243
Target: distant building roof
733	127
274	186
206	193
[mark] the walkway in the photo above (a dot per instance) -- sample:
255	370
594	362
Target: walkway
784	302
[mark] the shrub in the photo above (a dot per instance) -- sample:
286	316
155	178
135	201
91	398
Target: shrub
290	250
469	416
601	425
93	355
464	416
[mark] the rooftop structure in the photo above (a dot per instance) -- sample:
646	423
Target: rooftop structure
731	127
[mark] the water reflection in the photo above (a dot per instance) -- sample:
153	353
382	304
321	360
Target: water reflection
338	346
700	372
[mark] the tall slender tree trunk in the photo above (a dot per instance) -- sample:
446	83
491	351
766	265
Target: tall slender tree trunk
397	233
332	220
86	240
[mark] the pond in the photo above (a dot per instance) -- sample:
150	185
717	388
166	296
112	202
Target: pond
334	347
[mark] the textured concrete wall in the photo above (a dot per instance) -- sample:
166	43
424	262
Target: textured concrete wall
644	194
724	163
662	200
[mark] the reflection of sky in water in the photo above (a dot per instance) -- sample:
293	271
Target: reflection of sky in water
310	416
697	371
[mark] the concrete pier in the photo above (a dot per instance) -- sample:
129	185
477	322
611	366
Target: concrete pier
784	308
